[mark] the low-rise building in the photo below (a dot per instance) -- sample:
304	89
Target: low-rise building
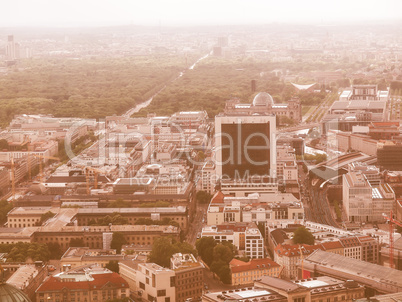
244	236
21	217
246	272
28	278
178	214
86	285
290	256
278	290
79	256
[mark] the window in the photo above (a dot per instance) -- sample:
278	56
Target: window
172	281
142	285
161	292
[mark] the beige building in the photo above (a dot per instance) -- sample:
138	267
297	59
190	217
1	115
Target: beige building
22	217
208	177
4	181
362	201
178	214
87	285
79	256
156	283
246	272
188	276
268	288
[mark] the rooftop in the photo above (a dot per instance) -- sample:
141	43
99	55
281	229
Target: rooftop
96	281
370	274
241	266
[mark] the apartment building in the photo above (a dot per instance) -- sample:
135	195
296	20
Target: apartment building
290	256
188	276
246	272
244	236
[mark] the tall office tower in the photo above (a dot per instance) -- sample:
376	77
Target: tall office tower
11	49
245	153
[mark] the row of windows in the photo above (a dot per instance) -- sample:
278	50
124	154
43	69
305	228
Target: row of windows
23	219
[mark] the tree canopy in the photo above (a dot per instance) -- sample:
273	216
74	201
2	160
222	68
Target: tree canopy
88	88
115	219
217	256
203	197
303	236
164	247
118	241
22	251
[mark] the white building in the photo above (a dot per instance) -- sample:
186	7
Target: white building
362	201
244	236
208	177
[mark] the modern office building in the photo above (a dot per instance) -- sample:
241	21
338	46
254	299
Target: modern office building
156	283
246	149
362	201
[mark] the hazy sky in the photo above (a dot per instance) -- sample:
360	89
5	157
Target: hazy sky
192	12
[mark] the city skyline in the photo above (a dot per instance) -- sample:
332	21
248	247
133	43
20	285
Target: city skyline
63	13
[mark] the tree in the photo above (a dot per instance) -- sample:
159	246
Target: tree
303	236
119	203
205	247
118	241
203	197
5	207
113	265
3	144
44	217
115	219
22	251
55	250
222	253
162	251
164	248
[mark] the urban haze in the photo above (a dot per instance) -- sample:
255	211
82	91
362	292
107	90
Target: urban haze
200	151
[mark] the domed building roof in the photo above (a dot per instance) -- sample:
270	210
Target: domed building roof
9	293
263	99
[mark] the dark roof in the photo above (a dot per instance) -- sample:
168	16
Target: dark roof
279	236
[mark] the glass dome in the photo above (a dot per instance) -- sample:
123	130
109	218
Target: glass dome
9	293
263	99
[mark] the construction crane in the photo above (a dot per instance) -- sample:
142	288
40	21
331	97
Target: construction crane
391	222
41	158
95	172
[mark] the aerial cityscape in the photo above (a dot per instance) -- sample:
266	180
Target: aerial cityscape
188	151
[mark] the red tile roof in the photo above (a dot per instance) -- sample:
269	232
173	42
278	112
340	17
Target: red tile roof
294	250
241	266
218	197
100	280
331	245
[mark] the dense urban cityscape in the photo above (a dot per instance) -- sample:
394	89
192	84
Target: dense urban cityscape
242	163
